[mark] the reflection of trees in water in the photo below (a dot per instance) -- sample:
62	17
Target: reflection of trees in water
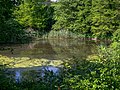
20	75
53	49
41	49
65	42
60	49
72	48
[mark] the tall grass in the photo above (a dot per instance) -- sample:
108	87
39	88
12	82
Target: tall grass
62	34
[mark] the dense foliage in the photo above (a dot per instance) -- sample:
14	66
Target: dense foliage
93	18
36	15
97	17
19	18
10	30
101	72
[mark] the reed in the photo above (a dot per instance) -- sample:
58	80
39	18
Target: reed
63	34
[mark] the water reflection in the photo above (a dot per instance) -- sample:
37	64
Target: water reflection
22	74
52	49
18	76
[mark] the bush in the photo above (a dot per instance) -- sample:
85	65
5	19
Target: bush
101	73
116	35
12	32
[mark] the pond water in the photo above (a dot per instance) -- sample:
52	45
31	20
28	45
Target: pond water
29	74
50	49
53	49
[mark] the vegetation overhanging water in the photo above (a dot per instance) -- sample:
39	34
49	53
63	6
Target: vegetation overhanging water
21	21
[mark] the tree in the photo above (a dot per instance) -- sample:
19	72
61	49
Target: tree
65	14
97	17
34	14
10	30
104	15
5	14
73	15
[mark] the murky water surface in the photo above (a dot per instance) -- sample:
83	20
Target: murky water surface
50	50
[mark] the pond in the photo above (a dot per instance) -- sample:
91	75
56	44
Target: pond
51	51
